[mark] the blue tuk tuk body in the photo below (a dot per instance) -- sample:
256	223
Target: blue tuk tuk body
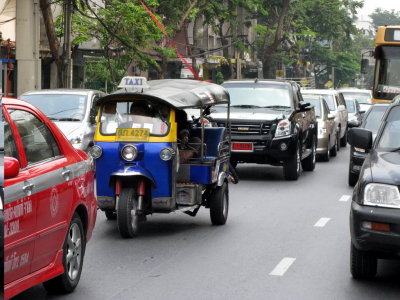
140	171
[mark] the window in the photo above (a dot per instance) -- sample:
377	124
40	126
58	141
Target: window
10	149
390	137
39	143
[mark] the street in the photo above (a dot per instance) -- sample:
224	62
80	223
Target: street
282	240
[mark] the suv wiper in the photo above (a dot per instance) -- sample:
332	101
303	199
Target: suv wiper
395	149
276	106
52	119
68	119
246	106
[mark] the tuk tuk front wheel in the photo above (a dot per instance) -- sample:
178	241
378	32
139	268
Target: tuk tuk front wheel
219	204
127	220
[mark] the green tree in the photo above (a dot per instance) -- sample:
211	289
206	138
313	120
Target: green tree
382	17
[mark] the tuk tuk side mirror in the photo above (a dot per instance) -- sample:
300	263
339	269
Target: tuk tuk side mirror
360	138
11	167
364	65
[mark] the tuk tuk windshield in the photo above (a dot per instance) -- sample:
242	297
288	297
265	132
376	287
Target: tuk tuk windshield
134	114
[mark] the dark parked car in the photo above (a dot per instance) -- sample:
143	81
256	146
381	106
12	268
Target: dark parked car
371	121
375	209
271	124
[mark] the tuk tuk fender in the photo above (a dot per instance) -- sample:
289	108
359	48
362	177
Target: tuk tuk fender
221	178
131	172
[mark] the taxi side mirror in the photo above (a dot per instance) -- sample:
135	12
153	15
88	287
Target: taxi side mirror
11	167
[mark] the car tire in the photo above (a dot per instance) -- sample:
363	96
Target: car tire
292	167
111	215
308	164
343	140
338	141
333	150
73	253
127	220
325	156
363	264
219	205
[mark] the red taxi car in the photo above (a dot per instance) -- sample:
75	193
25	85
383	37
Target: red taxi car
50	206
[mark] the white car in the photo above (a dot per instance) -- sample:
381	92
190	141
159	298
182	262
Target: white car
337	106
72	110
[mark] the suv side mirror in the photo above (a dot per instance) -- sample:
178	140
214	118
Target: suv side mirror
360	138
353	123
11	167
331	116
364	65
304	106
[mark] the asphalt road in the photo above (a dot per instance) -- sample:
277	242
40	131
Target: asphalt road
283	240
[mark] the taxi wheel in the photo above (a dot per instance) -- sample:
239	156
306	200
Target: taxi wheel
73	252
219	205
128	221
363	264
110	214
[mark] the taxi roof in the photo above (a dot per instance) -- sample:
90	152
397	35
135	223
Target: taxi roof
179	93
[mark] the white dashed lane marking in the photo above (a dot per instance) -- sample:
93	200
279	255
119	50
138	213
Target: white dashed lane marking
345	198
322	222
283	266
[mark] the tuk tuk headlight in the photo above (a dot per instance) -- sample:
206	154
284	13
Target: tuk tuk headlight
129	152
96	151
167	153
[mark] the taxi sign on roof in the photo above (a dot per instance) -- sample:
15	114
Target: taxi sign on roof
133	83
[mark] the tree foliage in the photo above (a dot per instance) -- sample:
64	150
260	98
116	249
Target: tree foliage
381	17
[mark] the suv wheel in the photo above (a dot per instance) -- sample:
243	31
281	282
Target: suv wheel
333	150
308	164
363	264
291	168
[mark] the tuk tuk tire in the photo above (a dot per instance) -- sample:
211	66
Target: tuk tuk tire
128	224
111	214
219	205
63	283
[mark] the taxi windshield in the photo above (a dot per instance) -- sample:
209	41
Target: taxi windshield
134	114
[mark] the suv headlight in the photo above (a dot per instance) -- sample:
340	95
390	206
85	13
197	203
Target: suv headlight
129	152
383	195
283	128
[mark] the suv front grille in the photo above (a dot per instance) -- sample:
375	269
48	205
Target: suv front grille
246	128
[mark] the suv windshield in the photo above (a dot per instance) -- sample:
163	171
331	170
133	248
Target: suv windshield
390	137
59	107
261	95
134	114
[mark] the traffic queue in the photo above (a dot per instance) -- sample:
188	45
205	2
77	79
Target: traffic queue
147	154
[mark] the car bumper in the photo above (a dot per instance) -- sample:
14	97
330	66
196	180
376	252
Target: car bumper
272	151
323	144
371	240
356	160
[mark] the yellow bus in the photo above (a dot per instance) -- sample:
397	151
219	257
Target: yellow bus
387	64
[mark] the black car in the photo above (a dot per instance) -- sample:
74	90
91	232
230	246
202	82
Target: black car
375	209
371	121
271	124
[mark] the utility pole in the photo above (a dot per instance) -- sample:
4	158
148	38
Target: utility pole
67	43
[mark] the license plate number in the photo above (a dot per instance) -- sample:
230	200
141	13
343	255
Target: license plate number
246	147
132	134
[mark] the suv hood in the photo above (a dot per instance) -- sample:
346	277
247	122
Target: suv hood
69	127
385	167
252	114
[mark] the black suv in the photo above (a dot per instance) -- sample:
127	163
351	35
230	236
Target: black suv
375	209
271	124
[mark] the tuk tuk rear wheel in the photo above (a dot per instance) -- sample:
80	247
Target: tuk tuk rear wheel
127	220
219	205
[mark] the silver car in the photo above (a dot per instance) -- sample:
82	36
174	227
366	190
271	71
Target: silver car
337	106
364	97
72	110
328	139
355	112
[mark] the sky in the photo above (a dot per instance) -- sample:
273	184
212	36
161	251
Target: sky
371	5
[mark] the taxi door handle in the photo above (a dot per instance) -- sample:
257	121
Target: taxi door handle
28	188
66	173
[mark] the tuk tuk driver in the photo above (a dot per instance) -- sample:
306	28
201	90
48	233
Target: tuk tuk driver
110	117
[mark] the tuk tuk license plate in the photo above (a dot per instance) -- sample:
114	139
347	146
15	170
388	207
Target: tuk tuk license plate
132	135
242	147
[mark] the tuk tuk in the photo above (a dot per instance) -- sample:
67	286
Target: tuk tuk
151	158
